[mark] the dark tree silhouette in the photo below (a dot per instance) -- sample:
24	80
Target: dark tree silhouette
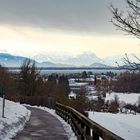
129	20
28	78
84	74
63	85
7	82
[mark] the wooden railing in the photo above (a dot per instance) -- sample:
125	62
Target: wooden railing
84	128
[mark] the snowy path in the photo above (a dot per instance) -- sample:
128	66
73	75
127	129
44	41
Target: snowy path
41	126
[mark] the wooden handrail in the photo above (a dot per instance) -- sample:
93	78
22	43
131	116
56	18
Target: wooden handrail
84	128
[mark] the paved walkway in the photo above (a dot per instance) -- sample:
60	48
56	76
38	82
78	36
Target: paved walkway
42	126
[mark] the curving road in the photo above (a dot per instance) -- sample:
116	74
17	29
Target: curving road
42	126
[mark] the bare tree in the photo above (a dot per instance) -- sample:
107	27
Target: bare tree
133	65
128	21
7	82
28	80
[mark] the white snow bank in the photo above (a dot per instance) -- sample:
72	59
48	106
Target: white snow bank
131	98
16	116
72	95
126	126
66	126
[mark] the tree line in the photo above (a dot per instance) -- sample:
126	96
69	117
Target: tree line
28	86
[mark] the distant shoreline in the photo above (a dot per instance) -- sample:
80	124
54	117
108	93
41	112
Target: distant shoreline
71	68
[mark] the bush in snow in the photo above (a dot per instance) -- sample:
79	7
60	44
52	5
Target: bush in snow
138	102
97	105
121	106
131	108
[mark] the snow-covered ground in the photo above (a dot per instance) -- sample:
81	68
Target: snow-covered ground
67	127
16	116
126	126
131	98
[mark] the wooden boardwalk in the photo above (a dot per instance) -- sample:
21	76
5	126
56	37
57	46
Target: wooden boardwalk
42	126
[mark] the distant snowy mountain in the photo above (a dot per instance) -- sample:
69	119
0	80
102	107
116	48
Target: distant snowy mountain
113	60
84	59
11	60
54	57
50	64
99	65
42	58
119	59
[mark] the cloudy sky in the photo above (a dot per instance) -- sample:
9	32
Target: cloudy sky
29	27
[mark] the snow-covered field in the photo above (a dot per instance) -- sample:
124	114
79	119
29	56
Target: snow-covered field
131	98
126	126
16	116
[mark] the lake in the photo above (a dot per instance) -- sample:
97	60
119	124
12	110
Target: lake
69	71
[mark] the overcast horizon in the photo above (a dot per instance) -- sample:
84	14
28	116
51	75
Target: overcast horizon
30	27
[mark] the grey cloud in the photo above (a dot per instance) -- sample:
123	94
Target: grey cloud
77	15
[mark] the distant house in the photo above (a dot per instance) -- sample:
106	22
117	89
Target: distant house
90	81
100	77
90	88
77	86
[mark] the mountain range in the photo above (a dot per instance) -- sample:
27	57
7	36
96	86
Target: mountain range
86	59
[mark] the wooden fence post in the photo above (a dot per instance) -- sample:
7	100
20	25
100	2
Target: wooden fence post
95	136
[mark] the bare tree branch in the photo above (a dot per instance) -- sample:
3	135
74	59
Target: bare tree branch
133	66
129	23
